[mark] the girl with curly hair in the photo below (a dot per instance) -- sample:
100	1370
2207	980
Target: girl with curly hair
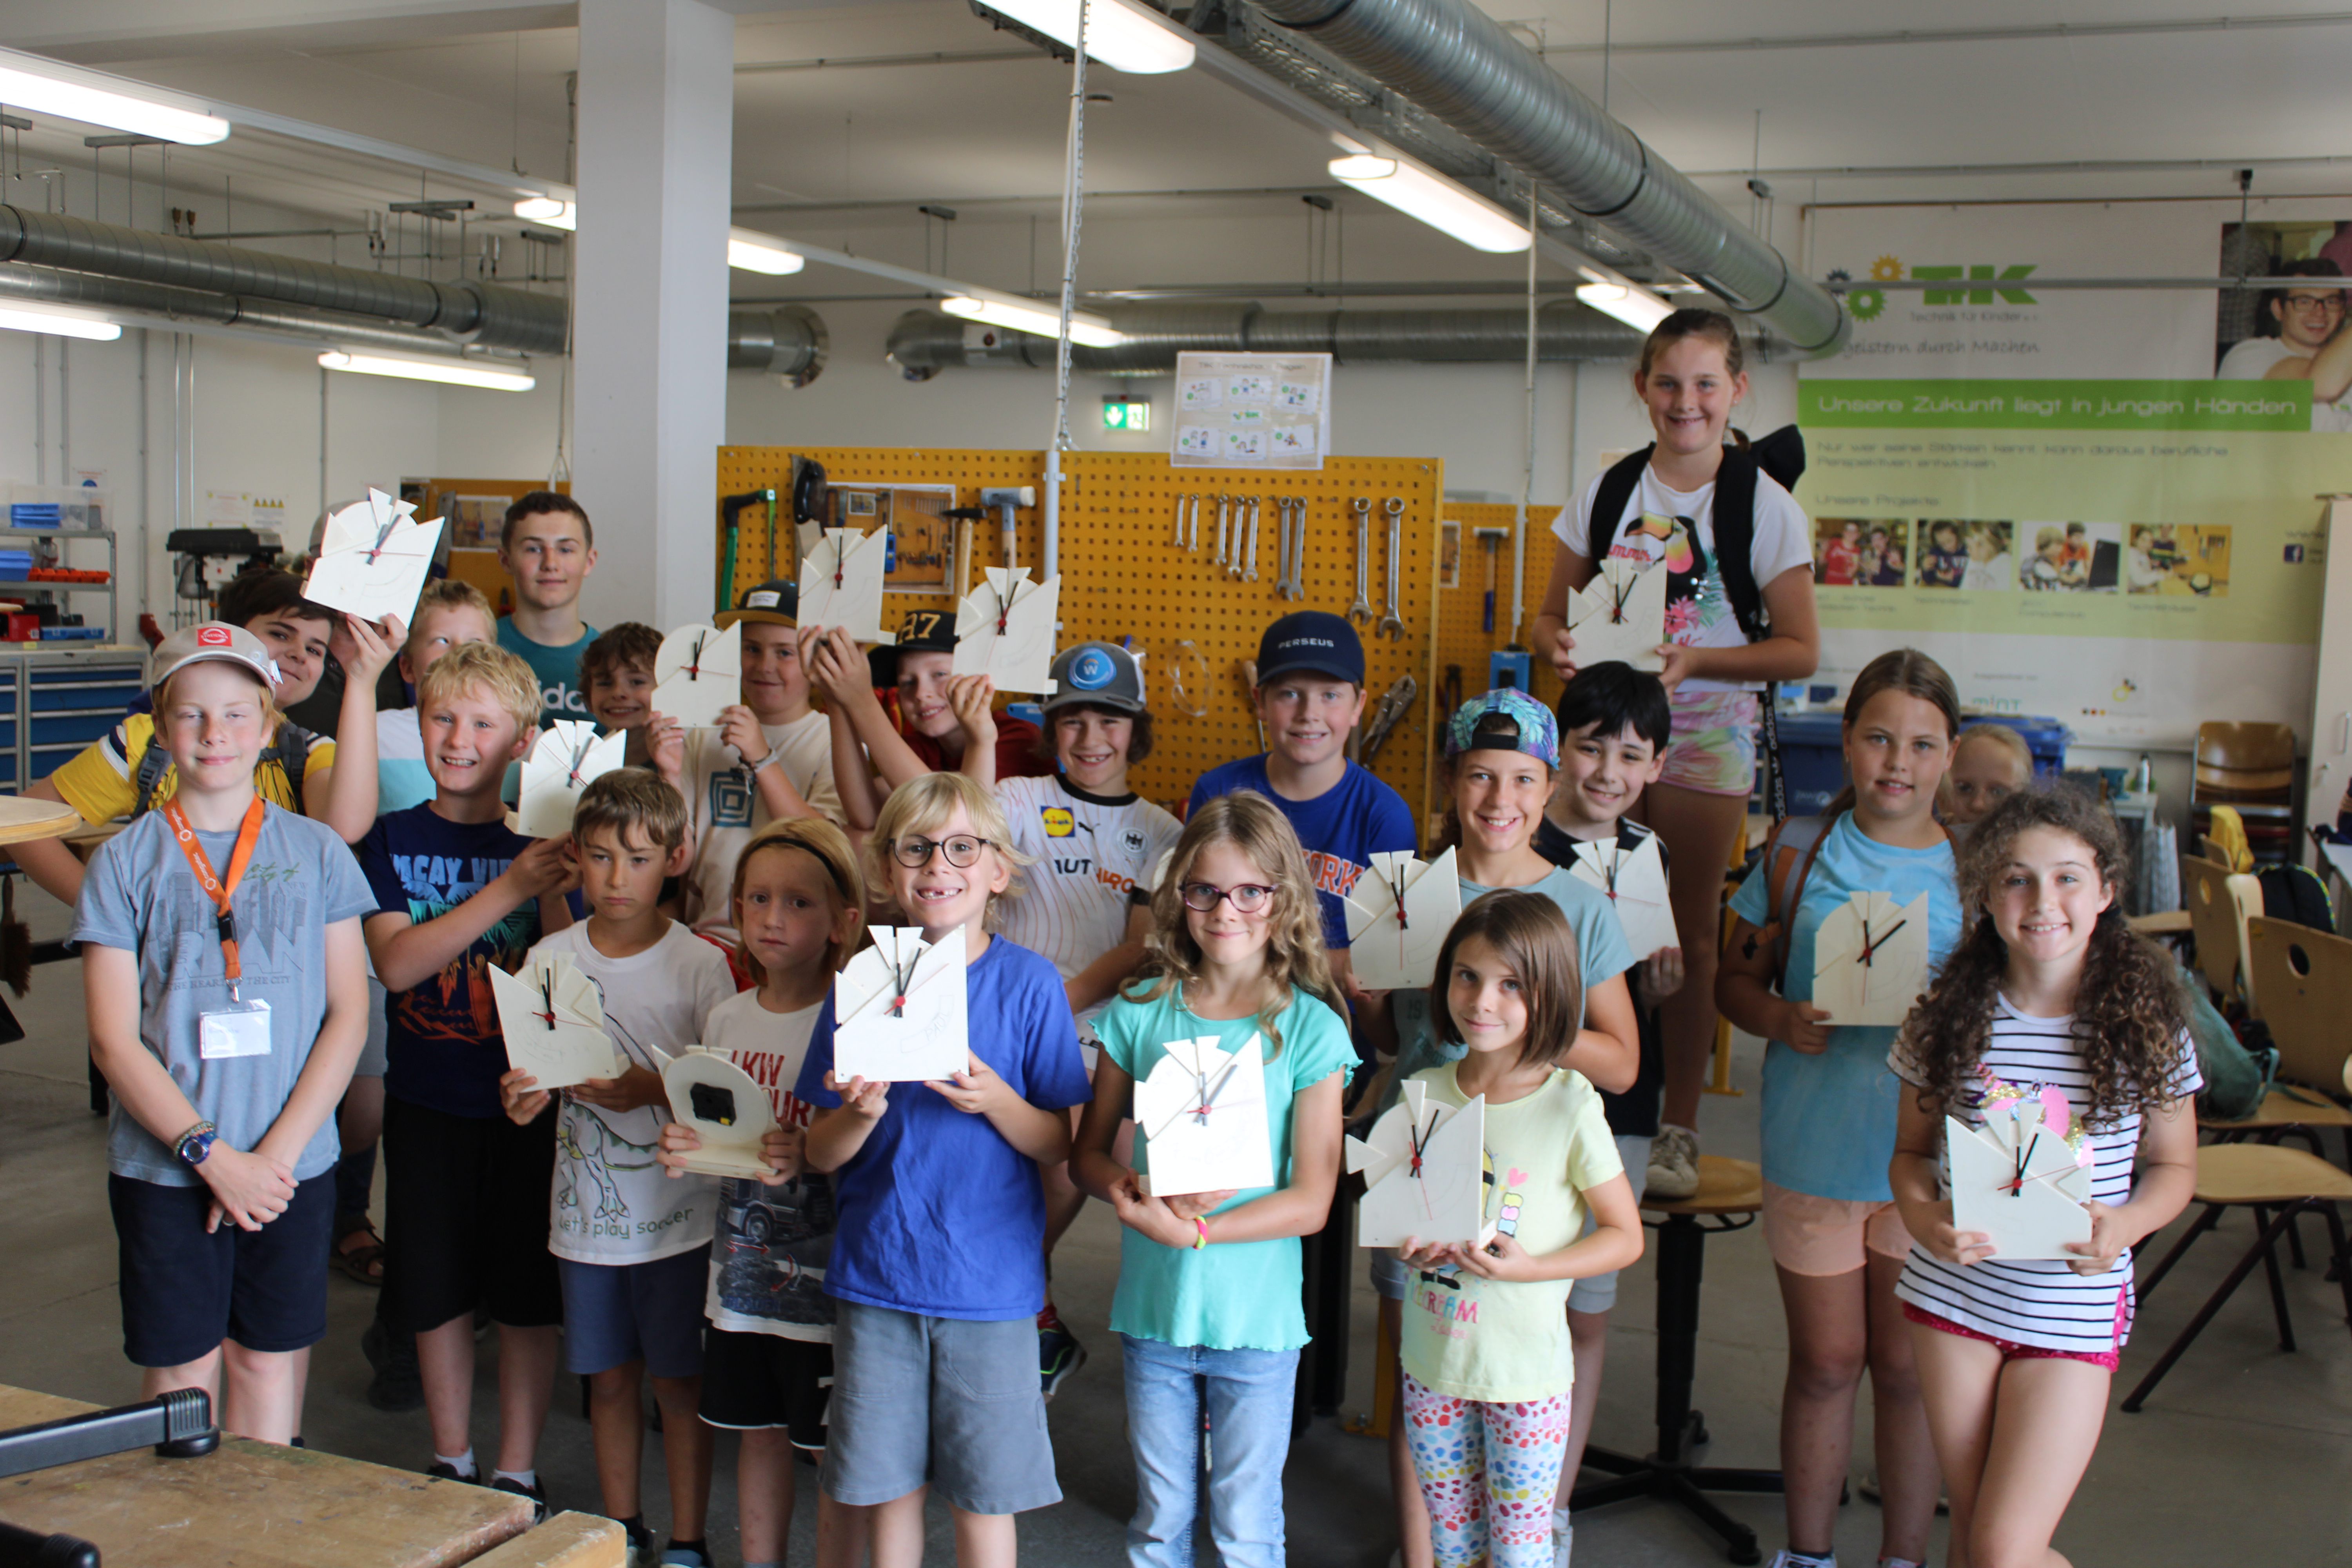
2050	990
1209	1283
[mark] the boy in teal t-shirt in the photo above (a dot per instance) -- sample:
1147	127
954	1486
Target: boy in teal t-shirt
547	547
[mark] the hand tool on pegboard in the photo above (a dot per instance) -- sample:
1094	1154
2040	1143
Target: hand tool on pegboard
1489	540
1392	705
1251	574
1361	610
730	514
1224	515
1006	500
965	517
806	491
1390	627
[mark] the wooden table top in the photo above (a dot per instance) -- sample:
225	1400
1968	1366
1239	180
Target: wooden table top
252	1505
1724	1187
26	816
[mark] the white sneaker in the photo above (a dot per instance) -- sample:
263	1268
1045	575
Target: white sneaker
1673	1162
1563	1537
1784	1558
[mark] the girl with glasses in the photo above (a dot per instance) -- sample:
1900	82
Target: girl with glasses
1209	1283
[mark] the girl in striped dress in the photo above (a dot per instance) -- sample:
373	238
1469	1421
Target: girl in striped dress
2051	995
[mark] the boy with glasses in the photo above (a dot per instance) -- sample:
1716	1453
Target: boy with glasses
2311	345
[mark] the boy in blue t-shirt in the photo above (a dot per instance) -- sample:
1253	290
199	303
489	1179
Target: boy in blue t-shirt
939	1263
465	1191
1309	694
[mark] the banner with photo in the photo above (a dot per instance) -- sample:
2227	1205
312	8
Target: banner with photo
2053	493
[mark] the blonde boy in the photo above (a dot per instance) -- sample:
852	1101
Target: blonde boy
223	972
465	1191
449	613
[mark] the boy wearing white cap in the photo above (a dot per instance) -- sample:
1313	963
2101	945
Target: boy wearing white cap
225	978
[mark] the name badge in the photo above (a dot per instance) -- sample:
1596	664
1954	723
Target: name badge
238	1029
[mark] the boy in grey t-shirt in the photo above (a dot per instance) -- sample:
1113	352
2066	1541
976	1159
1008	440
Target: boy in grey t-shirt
226	984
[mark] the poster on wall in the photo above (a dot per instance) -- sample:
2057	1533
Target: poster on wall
1251	411
2090	505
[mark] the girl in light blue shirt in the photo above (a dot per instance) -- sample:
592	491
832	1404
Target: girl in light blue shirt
1829	1106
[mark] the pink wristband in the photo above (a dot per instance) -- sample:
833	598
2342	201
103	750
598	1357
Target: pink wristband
1201	1223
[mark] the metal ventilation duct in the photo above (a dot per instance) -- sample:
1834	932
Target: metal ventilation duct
925	342
168	305
483	315
789	341
1453	60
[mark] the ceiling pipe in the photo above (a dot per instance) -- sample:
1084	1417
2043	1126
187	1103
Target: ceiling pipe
788	340
483	315
1461	66
925	342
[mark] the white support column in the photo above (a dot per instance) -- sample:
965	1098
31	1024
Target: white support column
649	314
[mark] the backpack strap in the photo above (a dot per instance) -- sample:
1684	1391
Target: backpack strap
290	750
1735	540
154	763
1793	840
1617	488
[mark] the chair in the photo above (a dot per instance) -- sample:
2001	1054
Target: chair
2278	1184
2304	979
2250	766
1730	1193
2220	903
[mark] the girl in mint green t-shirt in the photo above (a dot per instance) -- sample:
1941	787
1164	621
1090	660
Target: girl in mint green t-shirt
1488	1362
1209	1283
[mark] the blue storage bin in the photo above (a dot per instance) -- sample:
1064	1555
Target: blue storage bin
1812	750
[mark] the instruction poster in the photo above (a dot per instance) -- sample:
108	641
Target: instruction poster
1251	411
2050	491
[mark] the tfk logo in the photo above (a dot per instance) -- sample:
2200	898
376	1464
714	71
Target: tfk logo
1988	284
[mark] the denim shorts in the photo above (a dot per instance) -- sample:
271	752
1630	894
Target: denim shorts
940	1402
615	1313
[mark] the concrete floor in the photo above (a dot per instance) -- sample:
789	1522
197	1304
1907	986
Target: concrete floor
2244	1454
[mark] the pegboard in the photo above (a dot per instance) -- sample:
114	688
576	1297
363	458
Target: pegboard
1461	641
1124	576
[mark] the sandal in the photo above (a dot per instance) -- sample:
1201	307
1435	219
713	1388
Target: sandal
363	1262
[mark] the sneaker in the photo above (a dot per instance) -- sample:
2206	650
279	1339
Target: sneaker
683	1557
1059	1354
397	1385
1784	1558
644	1547
1673	1162
1563	1538
441	1472
536	1493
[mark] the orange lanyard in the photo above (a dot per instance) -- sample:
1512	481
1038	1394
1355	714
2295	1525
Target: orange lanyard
248	833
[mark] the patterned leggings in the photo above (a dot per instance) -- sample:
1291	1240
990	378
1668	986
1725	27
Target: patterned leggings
1487	1472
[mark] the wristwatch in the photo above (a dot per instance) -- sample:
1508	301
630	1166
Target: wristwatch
196	1143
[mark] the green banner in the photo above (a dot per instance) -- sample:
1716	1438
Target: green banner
2055	404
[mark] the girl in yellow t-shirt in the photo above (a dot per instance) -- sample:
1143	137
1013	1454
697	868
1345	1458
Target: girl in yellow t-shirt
1486	1358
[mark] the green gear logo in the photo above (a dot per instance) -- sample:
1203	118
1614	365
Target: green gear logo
1866	303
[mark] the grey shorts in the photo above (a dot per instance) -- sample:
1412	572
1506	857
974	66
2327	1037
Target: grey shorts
372	1054
940	1402
1597	1294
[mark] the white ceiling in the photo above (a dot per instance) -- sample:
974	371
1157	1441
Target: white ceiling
484	80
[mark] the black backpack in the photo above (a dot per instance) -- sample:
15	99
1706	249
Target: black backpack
1781	455
289	748
2293	893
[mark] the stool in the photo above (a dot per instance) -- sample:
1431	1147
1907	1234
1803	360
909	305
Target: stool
1730	1193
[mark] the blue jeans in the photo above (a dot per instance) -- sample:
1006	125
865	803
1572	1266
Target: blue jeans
1249	1429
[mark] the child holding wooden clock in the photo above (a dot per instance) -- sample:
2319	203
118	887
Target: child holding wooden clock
1489	1364
1236	983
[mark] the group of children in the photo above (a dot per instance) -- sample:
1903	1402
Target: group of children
879	1299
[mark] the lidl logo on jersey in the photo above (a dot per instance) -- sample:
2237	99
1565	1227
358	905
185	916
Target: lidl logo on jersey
1059	823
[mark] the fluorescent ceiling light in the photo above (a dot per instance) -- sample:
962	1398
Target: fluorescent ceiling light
1024	315
1437	201
25	85
548	210
760	253
58	323
457	373
1123	37
1637	308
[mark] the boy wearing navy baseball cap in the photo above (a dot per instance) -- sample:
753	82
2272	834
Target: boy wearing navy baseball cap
1309	695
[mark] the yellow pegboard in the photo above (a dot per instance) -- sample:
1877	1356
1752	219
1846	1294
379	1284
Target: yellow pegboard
1460	640
1123	576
